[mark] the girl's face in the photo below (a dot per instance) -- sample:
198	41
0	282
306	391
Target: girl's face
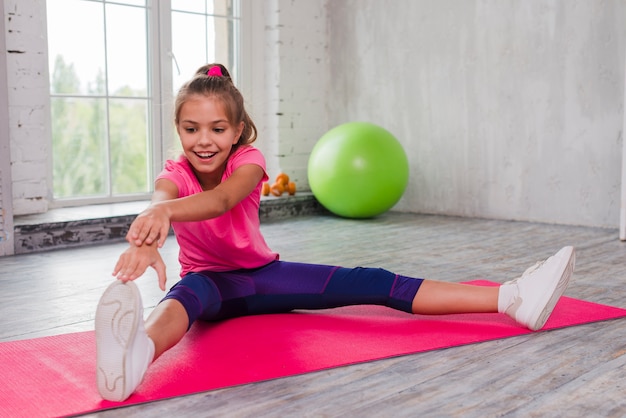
207	137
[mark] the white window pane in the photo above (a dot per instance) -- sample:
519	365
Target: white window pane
126	50
103	146
221	7
210	7
196	6
131	2
76	46
210	39
220	38
79	150
130	148
189	46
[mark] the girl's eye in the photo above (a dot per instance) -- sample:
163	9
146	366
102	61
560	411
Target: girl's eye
218	130
190	130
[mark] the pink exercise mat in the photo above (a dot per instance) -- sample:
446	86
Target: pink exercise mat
55	376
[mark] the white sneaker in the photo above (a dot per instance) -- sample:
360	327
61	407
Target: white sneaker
124	350
531	298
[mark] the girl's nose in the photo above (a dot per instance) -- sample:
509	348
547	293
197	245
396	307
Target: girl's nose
205	138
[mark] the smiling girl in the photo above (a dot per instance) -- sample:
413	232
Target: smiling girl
210	196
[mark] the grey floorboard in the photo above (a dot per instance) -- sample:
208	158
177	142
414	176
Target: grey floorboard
571	372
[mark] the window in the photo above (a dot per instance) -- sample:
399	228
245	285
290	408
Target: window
114	69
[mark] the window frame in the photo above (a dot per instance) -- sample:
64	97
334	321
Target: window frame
160	96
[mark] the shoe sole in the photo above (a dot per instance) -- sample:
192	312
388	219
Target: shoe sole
559	289
117	318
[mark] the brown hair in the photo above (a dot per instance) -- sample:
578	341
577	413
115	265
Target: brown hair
223	88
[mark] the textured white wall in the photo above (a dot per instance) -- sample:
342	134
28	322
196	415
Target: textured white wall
6	197
29	111
507	109
286	55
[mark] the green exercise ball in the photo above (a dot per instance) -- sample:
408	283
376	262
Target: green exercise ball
358	170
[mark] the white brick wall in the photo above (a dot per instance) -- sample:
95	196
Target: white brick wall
6	204
304	75
29	133
286	88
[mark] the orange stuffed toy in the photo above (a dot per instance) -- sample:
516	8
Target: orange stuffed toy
280	186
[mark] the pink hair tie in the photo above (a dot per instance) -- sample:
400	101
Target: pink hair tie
214	72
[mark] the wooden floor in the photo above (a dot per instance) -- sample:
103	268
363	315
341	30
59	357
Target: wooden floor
573	372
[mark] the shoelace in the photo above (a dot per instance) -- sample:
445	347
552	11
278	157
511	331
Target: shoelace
528	271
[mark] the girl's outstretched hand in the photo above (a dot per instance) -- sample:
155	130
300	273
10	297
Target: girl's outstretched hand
135	260
153	224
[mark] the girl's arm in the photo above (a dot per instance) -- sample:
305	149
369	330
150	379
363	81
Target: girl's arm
133	262
153	223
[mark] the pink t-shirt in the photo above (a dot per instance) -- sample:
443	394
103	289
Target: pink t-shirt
231	241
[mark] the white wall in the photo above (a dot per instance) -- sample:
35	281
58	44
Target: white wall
285	63
29	111
6	198
507	109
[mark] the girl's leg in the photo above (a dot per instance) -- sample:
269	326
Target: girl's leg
529	299
195	296
126	345
123	349
166	325
283	286
436	298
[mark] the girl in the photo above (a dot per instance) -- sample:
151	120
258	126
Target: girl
210	196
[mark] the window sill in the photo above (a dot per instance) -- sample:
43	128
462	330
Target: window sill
100	224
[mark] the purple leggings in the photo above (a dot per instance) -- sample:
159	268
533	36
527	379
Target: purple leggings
282	286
